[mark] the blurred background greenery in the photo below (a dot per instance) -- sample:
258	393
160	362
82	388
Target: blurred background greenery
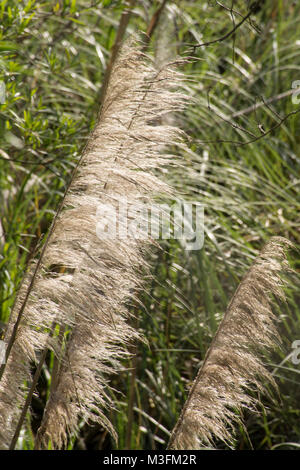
243	166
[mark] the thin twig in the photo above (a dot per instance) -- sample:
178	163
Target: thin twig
255	106
153	24
226	36
259	137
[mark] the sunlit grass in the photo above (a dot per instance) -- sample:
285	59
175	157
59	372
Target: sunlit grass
52	62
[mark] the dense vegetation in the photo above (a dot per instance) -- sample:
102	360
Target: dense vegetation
243	165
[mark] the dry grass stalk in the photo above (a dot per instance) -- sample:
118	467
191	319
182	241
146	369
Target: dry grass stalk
84	283
232	365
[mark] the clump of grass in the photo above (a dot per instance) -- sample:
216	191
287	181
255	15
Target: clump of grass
232	366
53	60
83	283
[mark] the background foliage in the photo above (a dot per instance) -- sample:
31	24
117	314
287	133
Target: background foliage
243	165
